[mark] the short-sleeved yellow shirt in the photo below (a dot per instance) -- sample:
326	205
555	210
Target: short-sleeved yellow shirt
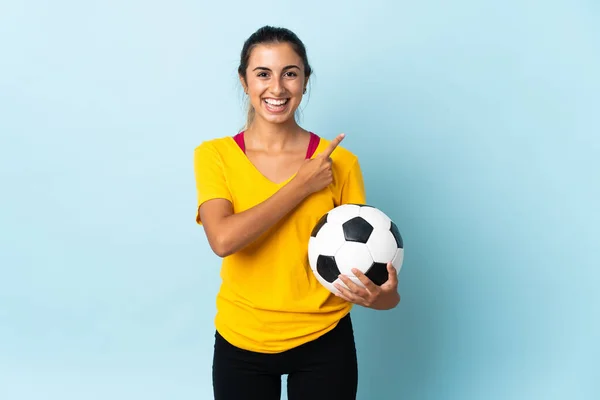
269	300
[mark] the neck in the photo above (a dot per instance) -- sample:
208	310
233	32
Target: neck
275	137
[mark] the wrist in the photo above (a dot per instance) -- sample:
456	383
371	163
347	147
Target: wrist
299	187
394	300
389	301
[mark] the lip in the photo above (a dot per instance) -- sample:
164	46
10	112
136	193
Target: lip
271	110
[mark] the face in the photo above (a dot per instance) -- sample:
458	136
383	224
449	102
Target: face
275	82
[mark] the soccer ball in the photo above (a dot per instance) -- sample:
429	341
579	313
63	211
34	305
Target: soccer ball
354	236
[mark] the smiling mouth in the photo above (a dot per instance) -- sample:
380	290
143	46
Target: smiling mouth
276	105
275	102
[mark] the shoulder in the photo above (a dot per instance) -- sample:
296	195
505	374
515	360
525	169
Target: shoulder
219	148
218	144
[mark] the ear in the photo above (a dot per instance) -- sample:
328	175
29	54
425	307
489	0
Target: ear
243	82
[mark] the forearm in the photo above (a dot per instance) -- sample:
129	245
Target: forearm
240	229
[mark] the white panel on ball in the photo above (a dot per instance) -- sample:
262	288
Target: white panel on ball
343	213
353	255
382	245
376	218
330	238
398	260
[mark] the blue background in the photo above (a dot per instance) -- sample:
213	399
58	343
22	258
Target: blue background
477	125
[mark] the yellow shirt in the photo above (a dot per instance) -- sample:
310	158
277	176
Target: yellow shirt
269	300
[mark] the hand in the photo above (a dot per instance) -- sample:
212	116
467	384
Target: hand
316	174
382	297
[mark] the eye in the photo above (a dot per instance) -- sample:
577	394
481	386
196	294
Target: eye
262	74
291	74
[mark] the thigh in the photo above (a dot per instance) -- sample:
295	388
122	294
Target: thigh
243	375
326	368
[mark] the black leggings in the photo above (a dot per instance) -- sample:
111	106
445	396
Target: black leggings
325	368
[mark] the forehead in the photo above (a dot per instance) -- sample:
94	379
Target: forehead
274	55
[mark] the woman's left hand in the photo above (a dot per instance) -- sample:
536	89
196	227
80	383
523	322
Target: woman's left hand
382	297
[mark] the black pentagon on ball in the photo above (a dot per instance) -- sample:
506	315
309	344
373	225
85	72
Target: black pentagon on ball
357	229
327	268
397	236
378	273
322	221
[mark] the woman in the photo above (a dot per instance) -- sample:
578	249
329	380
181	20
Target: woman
260	193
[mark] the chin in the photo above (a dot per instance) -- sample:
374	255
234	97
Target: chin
277	119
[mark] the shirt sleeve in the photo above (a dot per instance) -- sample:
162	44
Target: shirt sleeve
353	188
210	177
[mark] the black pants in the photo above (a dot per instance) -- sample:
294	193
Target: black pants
325	368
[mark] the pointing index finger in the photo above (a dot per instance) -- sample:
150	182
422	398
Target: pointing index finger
333	145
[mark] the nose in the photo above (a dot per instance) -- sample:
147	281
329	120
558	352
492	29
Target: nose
277	87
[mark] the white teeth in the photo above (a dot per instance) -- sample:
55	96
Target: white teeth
274	102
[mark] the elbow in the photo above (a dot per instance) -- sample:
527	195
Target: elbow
221	246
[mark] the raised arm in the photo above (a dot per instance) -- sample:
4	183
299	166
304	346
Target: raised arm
228	232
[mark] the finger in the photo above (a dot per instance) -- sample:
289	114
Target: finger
371	287
341	296
340	293
346	294
353	287
392	275
333	145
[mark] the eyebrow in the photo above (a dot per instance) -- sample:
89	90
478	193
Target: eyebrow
284	68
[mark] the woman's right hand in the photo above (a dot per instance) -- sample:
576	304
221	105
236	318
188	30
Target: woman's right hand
316	173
